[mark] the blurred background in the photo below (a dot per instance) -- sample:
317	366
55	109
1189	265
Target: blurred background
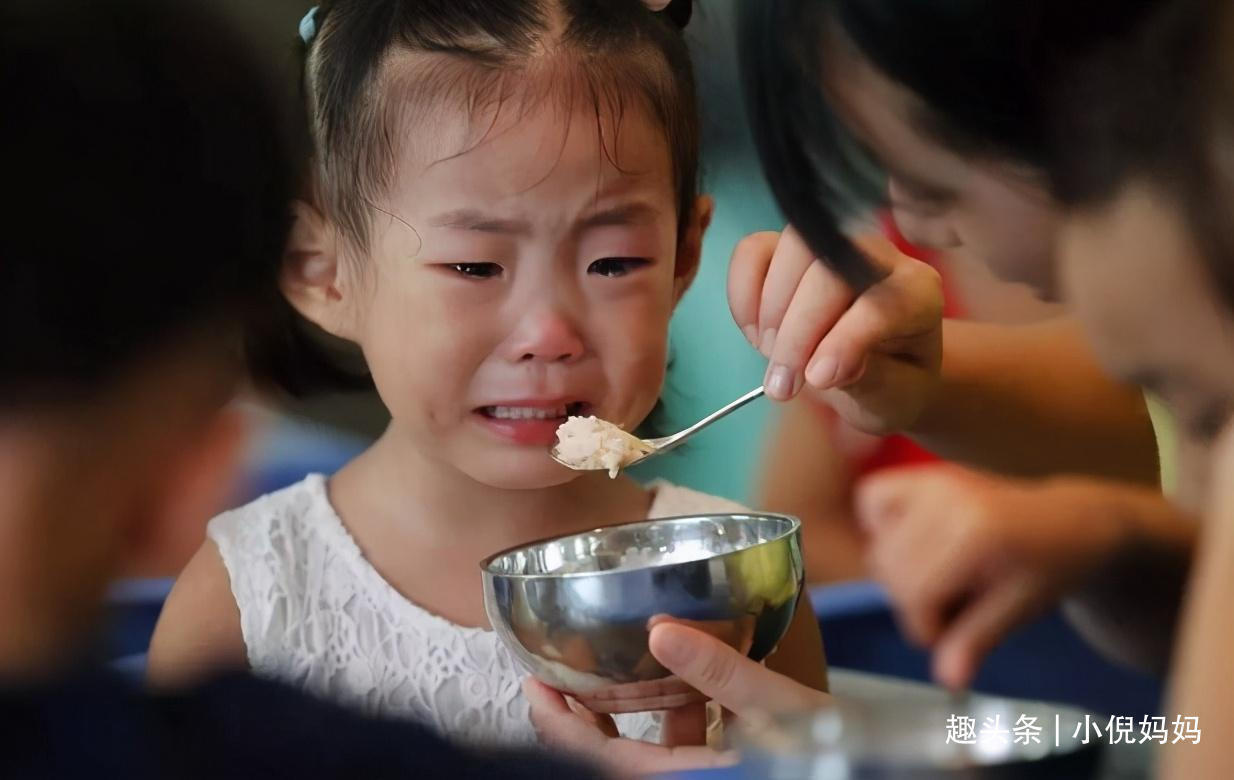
711	365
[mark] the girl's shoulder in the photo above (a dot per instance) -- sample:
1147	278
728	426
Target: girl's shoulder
293	508
671	500
286	555
271	538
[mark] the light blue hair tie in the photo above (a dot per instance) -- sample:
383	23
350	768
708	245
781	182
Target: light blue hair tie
308	26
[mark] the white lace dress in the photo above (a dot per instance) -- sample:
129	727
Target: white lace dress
315	613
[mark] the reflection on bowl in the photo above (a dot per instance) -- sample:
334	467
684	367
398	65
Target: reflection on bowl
577	609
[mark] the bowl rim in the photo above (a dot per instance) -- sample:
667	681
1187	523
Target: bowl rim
794	527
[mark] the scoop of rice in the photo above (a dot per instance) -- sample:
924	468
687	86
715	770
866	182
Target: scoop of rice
589	443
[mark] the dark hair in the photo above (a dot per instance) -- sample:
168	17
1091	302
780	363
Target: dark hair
356	92
148	170
1158	108
985	74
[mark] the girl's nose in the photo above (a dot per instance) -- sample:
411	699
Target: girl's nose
546	335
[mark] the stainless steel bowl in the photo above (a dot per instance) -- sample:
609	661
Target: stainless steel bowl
577	610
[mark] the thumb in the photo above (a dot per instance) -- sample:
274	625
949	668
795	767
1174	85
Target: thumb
721	673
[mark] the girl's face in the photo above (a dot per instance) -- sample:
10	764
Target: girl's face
991	211
1136	280
520	278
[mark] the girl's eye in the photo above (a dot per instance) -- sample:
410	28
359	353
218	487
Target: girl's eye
476	270
617	266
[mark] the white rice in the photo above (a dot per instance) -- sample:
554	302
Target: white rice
590	444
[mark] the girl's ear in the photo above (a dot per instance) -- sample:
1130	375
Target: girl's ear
690	246
311	277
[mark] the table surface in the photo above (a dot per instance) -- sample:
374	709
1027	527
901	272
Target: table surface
1118	762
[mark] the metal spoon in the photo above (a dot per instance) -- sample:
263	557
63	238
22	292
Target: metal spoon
653	447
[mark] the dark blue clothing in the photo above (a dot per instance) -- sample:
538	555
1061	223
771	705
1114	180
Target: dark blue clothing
100	726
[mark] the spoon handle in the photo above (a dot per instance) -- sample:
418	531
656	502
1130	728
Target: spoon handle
669	442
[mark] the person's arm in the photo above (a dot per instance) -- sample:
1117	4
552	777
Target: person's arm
1203	677
1129	608
198	632
1031	400
968	557
1022	400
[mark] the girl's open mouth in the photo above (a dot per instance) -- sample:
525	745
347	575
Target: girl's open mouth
529	422
560	412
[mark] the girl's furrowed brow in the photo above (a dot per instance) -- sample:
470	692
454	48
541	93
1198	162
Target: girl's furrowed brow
477	221
633	213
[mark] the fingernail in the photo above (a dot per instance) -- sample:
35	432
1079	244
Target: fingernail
822	372
781	382
751	335
768	341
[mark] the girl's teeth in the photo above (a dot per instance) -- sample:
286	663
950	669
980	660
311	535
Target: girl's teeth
526	413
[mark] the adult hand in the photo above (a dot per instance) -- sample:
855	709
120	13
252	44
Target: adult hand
966	557
876	356
670	693
745	688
